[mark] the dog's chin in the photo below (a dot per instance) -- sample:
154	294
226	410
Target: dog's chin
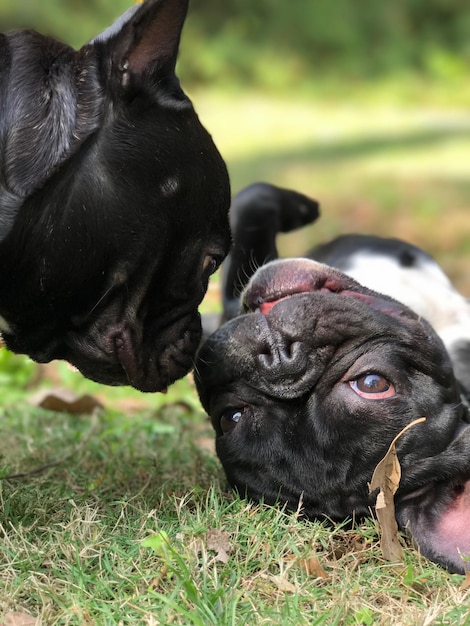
173	365
147	362
122	353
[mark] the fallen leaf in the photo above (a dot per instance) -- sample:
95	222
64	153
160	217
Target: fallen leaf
195	546
65	401
19	619
312	566
386	478
282	583
218	540
159	542
157	581
466	582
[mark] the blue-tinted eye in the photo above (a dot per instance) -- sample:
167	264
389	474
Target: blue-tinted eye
230	419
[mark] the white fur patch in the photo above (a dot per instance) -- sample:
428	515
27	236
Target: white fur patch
424	288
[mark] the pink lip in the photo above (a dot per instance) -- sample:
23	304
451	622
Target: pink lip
265	307
377	303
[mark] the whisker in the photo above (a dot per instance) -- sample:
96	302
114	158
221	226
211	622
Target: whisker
100	300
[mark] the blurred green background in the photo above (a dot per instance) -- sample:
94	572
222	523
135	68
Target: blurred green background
274	43
361	104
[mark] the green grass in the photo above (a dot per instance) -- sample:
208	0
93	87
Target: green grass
122	517
73	537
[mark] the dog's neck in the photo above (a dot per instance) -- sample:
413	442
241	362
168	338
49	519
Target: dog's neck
36	140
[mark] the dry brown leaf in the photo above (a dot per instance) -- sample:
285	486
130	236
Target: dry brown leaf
65	401
218	540
195	546
19	619
156	582
282	583
386	478
312	566
466	582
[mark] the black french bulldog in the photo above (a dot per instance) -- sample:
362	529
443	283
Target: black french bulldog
309	385
113	201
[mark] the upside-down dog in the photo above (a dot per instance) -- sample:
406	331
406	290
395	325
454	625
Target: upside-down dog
309	384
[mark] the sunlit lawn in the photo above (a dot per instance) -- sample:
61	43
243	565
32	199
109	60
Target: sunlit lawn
80	493
392	169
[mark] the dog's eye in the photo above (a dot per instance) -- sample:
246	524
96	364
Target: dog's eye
372	386
230	419
211	263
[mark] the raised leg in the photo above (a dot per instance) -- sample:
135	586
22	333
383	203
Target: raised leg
257	214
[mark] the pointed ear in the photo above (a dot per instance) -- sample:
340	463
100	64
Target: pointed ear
145	39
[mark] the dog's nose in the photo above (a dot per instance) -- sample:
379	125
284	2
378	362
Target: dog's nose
283	358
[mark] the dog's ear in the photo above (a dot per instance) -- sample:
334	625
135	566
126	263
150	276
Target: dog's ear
144	41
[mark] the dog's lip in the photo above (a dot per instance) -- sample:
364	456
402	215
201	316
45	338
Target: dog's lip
126	355
265	303
416	493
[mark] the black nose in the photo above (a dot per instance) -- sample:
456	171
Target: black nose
281	358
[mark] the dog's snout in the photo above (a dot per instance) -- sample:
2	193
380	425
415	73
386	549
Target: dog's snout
281	357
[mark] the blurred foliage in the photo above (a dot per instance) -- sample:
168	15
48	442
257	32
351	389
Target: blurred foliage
361	38
16	373
277	44
72	21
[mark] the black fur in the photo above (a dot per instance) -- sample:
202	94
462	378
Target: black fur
113	201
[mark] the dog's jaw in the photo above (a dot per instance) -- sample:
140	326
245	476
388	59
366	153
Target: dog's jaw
147	357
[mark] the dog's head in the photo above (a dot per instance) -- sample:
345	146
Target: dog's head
307	390
113	201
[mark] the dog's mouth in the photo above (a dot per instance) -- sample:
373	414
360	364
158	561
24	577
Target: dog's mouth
146	358
126	355
280	280
436	516
436	512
